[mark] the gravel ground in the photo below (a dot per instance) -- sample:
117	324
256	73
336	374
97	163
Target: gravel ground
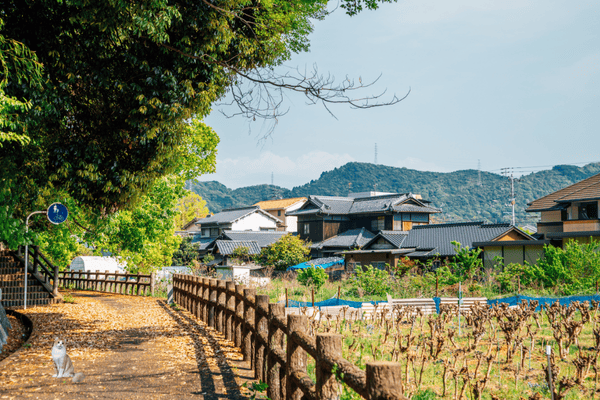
127	347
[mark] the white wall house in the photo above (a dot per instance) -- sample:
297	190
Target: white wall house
237	219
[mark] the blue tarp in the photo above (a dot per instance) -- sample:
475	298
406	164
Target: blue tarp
546	301
511	301
330	303
318	262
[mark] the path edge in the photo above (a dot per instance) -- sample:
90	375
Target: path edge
29	328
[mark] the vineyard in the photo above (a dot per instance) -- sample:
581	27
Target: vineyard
490	353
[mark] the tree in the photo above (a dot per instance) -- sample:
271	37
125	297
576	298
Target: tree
287	251
186	253
121	79
313	277
145	235
190	207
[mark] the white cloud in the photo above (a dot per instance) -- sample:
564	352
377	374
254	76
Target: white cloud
246	171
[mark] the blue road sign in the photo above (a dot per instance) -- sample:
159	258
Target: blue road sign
57	213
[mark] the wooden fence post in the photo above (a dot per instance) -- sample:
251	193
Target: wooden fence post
248	322
260	328
229	316
296	356
221	306
194	295
384	381
328	346
152	283
275	373
205	298
239	314
212	302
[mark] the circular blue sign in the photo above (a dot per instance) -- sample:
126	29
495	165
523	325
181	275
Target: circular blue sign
57	213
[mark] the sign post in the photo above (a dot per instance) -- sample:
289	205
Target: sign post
57	214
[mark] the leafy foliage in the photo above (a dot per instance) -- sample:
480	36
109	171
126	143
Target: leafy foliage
466	263
190	207
371	281
287	251
312	277
570	270
186	253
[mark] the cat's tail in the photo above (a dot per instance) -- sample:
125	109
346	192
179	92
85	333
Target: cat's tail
78	377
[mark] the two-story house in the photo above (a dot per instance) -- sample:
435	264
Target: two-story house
570	213
278	208
323	217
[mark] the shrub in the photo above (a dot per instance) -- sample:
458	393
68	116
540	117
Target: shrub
371	281
287	251
312	277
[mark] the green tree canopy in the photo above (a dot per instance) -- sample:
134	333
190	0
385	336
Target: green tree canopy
189	207
121	78
287	251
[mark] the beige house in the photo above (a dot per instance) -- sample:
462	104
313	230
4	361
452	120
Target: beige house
570	213
279	208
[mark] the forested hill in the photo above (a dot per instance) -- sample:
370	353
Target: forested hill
457	193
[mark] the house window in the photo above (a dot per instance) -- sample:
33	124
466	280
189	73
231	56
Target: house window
420	217
379	265
206	232
279	213
564	215
306	229
378	224
214	232
588	211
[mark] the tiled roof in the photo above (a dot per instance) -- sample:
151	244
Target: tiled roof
440	236
230	215
586	189
262	238
330	205
394	237
416	209
349	239
280	203
203	243
227	247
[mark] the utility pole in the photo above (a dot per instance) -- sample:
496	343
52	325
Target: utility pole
375	153
512	199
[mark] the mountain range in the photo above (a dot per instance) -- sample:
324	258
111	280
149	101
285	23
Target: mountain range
462	195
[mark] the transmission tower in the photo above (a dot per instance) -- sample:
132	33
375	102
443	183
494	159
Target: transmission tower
479	173
375	153
508	172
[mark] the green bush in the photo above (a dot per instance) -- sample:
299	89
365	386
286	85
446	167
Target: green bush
313	277
371	281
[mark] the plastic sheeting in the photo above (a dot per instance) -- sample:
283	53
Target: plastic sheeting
543	301
318	262
330	303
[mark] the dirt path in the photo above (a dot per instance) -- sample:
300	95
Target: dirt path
127	347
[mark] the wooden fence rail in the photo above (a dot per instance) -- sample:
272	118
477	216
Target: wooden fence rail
278	349
112	282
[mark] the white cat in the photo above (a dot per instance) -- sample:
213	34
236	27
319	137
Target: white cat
62	362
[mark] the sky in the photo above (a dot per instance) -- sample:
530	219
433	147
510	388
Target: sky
512	83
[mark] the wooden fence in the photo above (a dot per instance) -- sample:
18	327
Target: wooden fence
277	349
134	284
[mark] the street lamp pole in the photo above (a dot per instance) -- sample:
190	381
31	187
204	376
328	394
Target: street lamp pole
27	256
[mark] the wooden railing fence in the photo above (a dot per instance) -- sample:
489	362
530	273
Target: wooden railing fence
278	349
41	268
134	284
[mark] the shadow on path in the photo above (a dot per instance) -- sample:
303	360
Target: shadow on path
200	334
